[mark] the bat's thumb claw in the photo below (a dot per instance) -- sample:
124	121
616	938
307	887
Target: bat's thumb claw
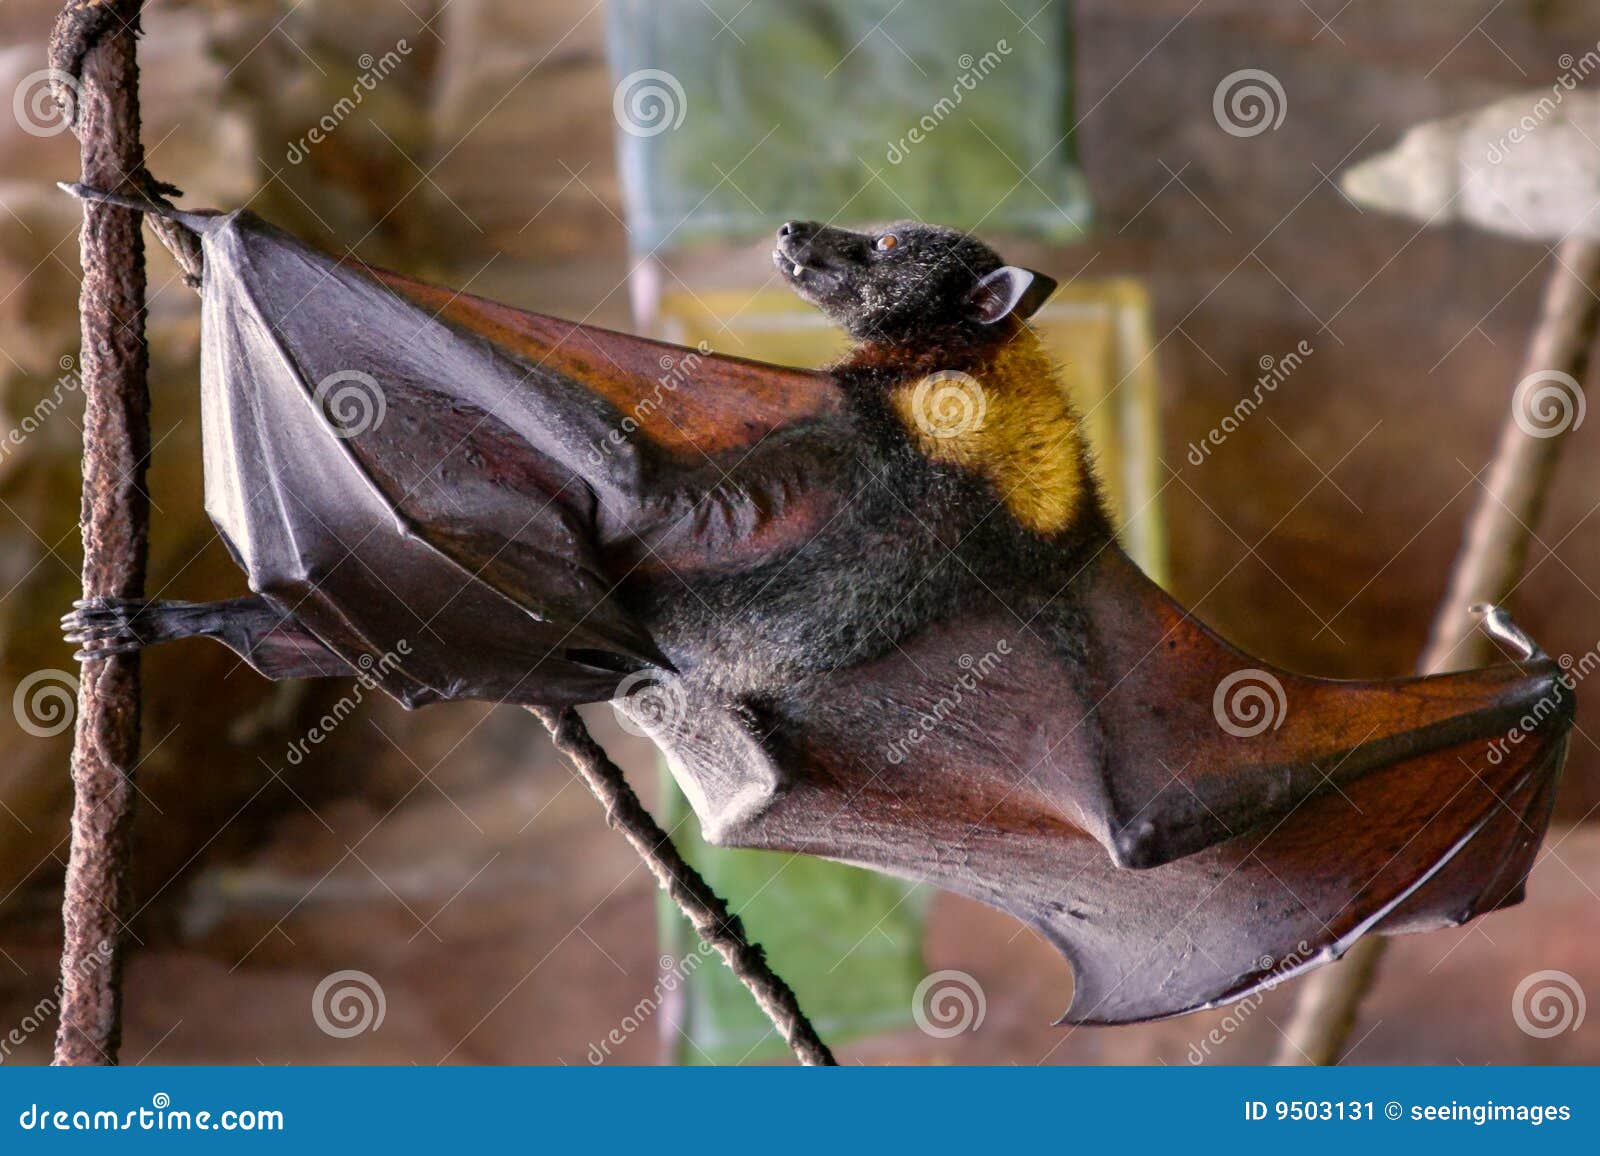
1497	622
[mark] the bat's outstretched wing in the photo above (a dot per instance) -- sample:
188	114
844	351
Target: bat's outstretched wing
394	462
1184	824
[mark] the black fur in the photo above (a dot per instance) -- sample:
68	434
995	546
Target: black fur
918	540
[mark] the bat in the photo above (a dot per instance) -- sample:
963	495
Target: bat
875	613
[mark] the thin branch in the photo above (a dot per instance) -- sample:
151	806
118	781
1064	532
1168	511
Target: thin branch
707	911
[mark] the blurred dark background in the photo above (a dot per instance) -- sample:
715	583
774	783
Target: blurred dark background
446	853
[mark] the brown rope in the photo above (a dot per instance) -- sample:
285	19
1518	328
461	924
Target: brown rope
116	443
706	910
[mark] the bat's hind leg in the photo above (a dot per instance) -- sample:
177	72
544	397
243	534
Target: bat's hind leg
269	639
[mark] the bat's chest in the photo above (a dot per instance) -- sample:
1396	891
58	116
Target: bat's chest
914	546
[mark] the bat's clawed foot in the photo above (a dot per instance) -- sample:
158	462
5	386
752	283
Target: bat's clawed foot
108	626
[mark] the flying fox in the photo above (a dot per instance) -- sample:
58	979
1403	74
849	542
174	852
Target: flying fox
875	612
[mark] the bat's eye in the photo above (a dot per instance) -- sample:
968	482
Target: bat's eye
887	241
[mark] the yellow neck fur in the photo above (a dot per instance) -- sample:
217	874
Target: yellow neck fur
1010	422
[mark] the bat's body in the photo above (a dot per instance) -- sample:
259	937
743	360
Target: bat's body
875	613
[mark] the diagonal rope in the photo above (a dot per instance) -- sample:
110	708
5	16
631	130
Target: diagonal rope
705	909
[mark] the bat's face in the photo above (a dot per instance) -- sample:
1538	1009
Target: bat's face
904	280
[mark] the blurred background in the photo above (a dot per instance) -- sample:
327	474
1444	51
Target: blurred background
435	886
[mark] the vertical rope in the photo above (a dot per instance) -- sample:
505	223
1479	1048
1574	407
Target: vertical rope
115	518
705	909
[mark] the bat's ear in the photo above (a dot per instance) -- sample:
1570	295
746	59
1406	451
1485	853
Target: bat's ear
1010	291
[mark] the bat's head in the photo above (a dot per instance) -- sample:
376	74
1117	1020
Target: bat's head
905	281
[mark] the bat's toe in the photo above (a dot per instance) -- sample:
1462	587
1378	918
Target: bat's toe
103	626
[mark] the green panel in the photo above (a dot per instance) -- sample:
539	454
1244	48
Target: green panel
848	941
767	112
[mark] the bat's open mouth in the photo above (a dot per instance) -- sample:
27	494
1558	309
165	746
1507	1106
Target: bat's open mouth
795	262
